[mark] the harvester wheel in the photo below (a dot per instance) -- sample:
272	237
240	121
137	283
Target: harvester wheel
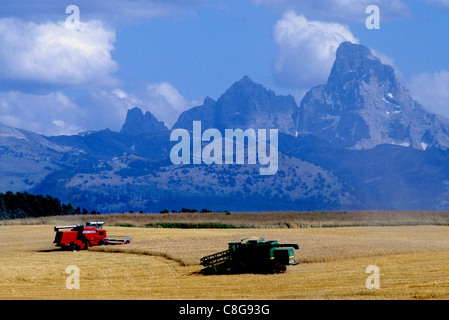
278	268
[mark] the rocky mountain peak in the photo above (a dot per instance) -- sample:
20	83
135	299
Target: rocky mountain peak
355	69
242	93
137	123
208	101
363	105
245	104
350	57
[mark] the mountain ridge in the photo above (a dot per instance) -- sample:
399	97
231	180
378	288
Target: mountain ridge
245	104
363	105
137	122
358	142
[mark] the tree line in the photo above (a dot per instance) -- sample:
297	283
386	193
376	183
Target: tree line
26	205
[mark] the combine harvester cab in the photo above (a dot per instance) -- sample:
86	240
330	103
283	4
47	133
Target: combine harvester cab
251	256
80	237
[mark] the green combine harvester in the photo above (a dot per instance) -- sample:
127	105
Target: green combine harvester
251	256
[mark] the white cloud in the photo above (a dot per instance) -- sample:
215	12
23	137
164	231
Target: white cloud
165	102
107	108
432	91
439	3
56	113
110	11
51	53
120	93
342	10
307	50
49	114
40	53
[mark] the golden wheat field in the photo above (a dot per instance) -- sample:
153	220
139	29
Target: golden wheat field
163	263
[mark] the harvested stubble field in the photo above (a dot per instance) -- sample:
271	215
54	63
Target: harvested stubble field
411	250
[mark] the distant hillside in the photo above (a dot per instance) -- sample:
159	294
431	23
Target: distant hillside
26	205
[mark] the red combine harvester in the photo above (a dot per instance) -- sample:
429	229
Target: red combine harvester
84	236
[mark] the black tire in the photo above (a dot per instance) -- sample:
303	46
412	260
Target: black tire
279	268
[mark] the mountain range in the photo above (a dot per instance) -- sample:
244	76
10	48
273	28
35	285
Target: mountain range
357	142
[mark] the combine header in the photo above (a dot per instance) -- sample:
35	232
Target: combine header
84	236
251	255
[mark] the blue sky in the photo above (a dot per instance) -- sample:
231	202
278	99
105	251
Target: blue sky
167	56
202	54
